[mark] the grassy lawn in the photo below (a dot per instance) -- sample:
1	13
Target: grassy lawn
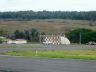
20	46
71	54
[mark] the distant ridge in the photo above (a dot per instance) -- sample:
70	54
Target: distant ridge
29	15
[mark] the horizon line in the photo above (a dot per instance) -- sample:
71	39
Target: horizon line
50	10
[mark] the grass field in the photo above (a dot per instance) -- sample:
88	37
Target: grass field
20	46
70	54
46	25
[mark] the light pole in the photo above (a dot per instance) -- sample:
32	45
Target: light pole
80	38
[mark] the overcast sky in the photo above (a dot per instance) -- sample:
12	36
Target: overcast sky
50	5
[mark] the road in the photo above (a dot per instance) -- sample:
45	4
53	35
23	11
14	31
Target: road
25	64
53	47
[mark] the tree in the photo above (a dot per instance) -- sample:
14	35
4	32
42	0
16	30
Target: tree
30	35
1	40
34	35
29	15
87	35
19	35
27	35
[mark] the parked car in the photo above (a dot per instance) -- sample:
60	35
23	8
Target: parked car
91	43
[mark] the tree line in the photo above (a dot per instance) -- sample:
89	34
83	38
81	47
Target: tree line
33	35
86	35
29	15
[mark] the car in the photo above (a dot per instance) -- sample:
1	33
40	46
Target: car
91	43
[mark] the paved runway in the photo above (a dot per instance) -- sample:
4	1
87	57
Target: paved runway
24	64
53	47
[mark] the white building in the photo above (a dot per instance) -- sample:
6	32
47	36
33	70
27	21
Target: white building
65	40
56	40
17	41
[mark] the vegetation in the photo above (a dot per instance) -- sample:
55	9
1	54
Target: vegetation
21	46
86	35
1	40
30	35
73	54
29	30
46	25
28	15
80	35
3	32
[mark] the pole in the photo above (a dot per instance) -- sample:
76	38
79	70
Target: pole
40	37
80	39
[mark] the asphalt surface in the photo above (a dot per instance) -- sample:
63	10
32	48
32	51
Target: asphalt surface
24	64
53	47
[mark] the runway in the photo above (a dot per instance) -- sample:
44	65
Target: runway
25	64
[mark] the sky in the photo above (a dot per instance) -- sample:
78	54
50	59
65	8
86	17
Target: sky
49	5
